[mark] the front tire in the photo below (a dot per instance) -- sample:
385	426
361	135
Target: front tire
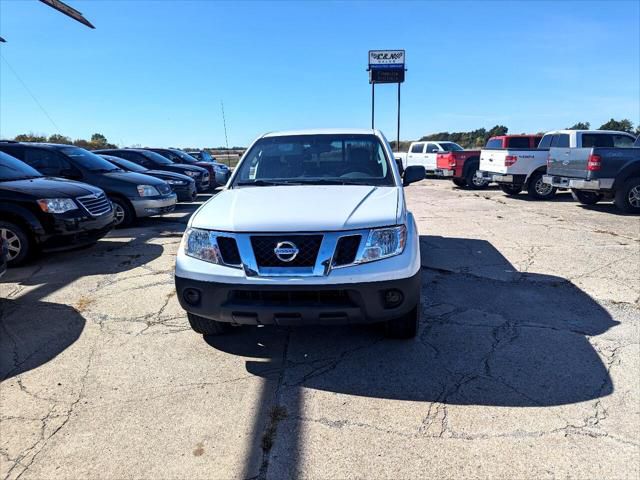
18	242
510	190
474	182
205	326
405	326
627	197
459	182
586	198
122	213
538	190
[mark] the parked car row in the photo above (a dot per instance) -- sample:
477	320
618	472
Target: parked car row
55	197
594	164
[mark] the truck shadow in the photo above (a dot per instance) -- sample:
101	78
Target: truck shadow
490	335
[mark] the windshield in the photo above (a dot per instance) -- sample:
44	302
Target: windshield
88	160
315	159
451	147
156	157
184	156
13	169
126	164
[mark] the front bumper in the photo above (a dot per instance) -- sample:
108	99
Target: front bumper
328	304
578	183
65	233
146	207
441	172
186	193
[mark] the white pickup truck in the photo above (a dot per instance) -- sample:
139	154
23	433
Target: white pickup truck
524	168
425	154
312	228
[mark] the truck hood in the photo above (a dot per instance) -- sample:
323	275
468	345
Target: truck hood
300	208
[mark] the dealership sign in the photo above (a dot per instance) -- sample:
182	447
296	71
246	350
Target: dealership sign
386	66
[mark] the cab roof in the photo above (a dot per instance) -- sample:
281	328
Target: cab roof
324	131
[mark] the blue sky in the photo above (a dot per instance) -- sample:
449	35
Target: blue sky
154	72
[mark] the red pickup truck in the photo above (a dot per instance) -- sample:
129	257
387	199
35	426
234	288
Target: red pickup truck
461	166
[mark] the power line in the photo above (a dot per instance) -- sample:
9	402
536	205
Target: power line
31	94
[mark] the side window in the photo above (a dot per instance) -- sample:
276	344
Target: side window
140	159
561	141
16	152
47	162
546	141
417	148
622	141
494	143
518	142
432	148
535	141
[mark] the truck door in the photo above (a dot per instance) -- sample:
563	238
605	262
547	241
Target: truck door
415	154
430	155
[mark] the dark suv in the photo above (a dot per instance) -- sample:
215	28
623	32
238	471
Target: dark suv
185	187
218	175
40	213
155	161
133	195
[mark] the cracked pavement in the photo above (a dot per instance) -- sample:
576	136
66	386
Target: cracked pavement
525	366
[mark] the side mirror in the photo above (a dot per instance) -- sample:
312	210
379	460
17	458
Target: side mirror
71	173
413	174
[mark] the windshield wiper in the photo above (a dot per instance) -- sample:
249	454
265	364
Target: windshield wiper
264	183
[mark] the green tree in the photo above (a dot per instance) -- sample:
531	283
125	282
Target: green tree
623	125
497	131
30	137
57	138
98	140
580	126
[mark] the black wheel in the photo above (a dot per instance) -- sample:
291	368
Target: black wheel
459	182
627	197
17	241
538	190
204	326
405	326
510	189
586	198
122	212
473	182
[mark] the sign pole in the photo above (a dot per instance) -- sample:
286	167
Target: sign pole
373	104
398	144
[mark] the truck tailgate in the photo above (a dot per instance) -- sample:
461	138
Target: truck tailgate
512	162
568	162
493	161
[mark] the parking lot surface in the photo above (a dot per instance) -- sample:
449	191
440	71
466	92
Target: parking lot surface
526	364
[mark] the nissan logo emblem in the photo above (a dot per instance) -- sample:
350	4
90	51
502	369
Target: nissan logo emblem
286	251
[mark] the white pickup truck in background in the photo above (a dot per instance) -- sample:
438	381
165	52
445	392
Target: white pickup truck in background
424	154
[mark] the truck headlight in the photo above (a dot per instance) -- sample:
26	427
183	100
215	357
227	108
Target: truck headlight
57	205
201	244
148	191
176	182
384	243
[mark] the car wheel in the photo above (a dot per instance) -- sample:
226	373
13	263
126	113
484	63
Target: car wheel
473	182
405	326
122	213
586	198
538	190
627	198
510	189
17	242
205	326
459	182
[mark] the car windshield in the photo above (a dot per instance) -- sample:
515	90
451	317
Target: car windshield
13	169
451	147
126	164
156	157
184	156
88	160
315	159
203	156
